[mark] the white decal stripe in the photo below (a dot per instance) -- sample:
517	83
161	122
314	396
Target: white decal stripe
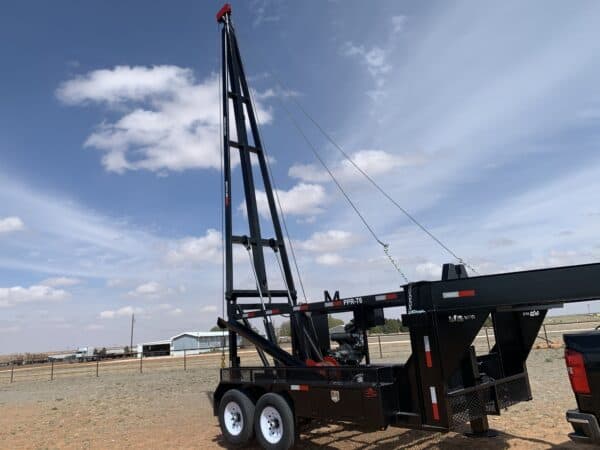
379	297
427	347
433	395
454	294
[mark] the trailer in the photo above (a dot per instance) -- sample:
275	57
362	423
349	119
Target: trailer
442	386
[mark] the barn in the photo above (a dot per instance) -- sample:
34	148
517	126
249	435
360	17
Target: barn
154	348
195	342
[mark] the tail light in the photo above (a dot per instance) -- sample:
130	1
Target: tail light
577	373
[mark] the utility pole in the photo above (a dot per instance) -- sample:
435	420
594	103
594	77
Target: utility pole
131	339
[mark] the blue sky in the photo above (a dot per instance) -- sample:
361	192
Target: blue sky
481	119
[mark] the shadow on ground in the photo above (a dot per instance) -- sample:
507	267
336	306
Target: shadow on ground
348	436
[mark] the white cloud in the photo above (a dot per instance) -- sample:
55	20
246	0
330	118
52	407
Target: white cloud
60	281
123	84
149	289
37	293
170	120
329	259
115	282
373	162
9	224
94	327
374	59
121	312
208	309
398	23
302	199
265	11
169	309
310	173
275	92
328	241
429	271
197	249
500	242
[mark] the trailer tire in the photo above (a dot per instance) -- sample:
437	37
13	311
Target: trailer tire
236	418
274	423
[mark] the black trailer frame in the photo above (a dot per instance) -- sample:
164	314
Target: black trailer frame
444	383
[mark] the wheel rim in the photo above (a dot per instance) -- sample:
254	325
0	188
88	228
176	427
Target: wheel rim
233	419
271	425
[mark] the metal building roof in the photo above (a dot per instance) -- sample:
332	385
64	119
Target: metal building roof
201	334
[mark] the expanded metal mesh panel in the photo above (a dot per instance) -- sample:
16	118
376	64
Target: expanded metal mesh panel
469	404
512	392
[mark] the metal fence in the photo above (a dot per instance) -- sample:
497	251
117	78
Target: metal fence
96	366
396	347
387	347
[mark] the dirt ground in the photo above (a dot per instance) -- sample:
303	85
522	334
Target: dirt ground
170	409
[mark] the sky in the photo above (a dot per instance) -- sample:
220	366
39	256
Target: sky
481	119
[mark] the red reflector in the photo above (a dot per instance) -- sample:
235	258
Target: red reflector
274	311
467	293
428	361
436	412
252	314
299	387
370	393
577	374
390	296
338	303
304	307
226	9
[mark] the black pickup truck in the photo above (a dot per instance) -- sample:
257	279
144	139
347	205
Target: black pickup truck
582	356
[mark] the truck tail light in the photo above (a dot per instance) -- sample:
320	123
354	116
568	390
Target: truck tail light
577	373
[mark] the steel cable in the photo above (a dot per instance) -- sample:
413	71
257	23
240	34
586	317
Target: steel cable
282	86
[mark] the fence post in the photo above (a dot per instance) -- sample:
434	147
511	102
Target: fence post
546	335
12	371
141	358
97	364
184	360
52	370
380	352
488	338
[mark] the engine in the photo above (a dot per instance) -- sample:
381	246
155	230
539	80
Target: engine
351	348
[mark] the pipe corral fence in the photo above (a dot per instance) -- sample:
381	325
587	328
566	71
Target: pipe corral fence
383	347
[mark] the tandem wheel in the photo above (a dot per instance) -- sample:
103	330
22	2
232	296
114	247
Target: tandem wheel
236	418
274	423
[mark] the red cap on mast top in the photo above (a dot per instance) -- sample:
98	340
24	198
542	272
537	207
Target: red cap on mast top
226	9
